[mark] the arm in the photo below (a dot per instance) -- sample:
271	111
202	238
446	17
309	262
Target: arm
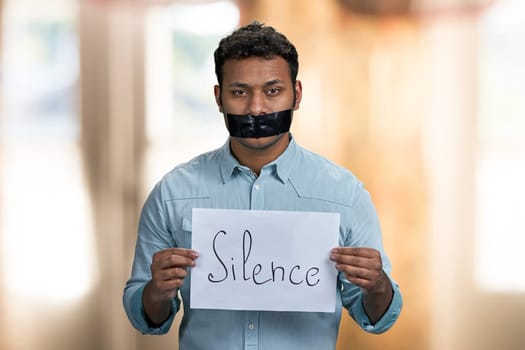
368	292
159	268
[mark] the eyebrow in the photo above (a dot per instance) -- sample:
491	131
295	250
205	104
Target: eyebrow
244	85
238	84
273	82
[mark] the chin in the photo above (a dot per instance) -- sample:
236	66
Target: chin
260	143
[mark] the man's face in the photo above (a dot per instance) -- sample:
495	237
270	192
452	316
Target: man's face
257	86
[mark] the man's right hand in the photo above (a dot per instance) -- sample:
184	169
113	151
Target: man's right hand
168	271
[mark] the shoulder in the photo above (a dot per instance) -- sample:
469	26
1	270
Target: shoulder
315	176
188	179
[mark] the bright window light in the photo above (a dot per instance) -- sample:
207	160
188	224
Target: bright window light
501	222
182	119
205	19
500	238
48	247
47	242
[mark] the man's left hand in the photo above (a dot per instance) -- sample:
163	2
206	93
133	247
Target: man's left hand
363	267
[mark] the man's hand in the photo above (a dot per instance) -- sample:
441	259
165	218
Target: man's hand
168	271
364	268
361	266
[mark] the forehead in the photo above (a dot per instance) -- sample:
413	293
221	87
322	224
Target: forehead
255	70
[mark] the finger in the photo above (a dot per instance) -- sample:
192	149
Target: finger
364	284
179	261
171	263
351	260
170	274
165	260
357	273
174	283
169	287
364	279
177	273
356	251
373	262
189	253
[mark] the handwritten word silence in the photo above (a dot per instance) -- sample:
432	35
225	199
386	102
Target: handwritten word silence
258	273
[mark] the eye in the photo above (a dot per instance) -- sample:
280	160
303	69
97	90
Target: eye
238	92
273	91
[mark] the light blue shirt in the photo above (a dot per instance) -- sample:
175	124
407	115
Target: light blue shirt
296	181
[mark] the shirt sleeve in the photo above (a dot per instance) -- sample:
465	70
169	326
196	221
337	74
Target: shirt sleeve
366	232
153	236
358	313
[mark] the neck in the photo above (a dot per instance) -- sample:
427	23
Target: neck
257	157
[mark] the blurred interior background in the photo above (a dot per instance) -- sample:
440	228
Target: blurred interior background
421	99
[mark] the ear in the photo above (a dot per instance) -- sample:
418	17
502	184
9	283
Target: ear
298	94
217	93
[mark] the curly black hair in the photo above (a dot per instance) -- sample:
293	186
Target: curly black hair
255	40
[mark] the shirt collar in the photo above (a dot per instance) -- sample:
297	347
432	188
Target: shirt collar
283	164
227	162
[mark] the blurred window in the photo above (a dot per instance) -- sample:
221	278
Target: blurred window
46	237
500	243
182	118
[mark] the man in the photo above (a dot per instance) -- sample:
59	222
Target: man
260	167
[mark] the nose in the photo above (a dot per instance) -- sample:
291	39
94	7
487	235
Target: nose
257	104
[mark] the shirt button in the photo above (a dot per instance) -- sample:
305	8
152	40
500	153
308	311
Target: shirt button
251	326
370	328
257	187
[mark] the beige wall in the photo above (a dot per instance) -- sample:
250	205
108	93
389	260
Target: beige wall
3	343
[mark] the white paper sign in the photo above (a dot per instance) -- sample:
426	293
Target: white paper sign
264	260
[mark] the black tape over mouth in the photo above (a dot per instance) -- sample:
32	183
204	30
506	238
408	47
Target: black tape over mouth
249	126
